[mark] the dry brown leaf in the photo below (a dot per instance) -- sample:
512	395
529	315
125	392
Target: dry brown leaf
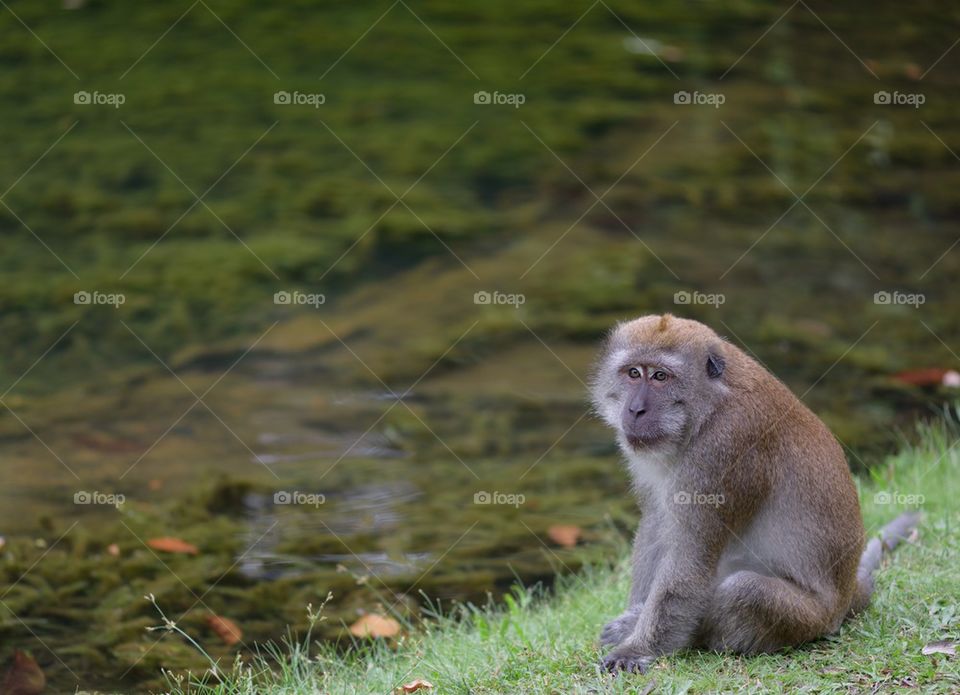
948	647
24	677
167	544
415	685
225	628
113	549
925	376
567	536
373	625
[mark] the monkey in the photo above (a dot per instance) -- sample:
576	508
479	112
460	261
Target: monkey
751	538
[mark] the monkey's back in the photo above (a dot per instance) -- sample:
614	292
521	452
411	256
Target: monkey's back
809	528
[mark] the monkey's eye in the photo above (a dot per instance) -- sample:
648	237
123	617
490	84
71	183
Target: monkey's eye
659	375
633	373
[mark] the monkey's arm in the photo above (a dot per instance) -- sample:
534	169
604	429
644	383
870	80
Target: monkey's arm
678	597
647	553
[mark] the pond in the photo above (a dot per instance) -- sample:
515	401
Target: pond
340	343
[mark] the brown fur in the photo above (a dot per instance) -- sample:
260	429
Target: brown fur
776	562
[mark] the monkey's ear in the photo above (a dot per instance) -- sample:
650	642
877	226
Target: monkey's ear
715	365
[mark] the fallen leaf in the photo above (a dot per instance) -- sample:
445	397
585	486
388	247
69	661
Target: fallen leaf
567	536
3	542
415	685
113	549
155	484
927	376
225	628
24	677
167	544
948	647
373	625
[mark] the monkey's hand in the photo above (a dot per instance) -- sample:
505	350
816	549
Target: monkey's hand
626	660
618	629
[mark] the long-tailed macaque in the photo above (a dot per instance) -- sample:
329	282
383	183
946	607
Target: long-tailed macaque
751	537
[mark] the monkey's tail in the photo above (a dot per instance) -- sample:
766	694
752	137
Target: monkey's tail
890	536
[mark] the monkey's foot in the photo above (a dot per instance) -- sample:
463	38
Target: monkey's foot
618	629
621	660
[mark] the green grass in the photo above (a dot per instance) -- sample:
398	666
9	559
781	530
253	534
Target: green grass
542	641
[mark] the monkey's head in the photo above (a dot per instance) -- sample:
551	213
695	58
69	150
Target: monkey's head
658	379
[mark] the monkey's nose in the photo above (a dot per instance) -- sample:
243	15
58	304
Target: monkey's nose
638	411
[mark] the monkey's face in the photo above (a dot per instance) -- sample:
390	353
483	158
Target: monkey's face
651	405
656	385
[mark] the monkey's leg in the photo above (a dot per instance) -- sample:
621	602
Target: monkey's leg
754	613
621	627
647	553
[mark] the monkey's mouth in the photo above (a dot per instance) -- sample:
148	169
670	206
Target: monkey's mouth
645	440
